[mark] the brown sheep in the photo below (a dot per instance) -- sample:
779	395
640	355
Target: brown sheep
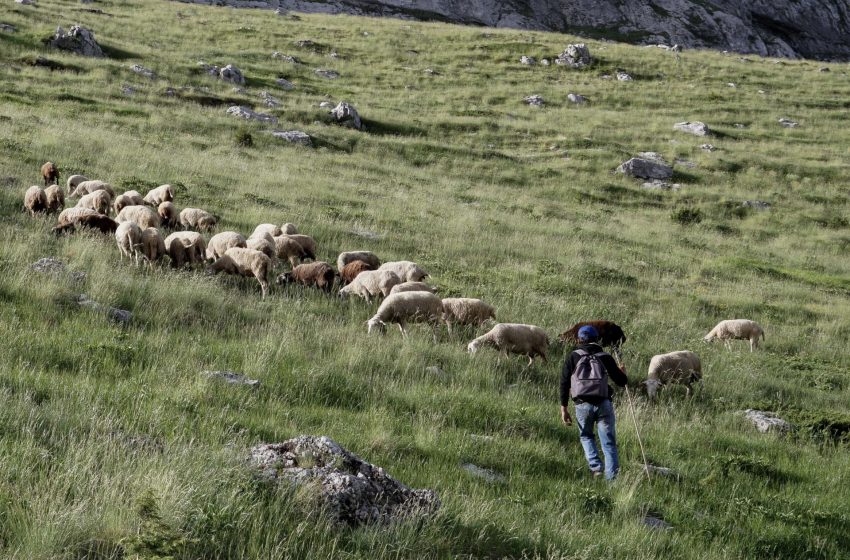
307	243
262	245
286	248
35	200
317	273
610	334
103	224
167	213
350	271
49	172
153	246
98	200
55	198
185	246
244	262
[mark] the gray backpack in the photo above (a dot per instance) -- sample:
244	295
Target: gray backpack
590	378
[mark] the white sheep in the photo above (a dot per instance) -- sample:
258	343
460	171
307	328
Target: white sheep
263	245
466	311
88	187
407	307
73	181
71	215
737	329
163	193
128	198
244	262
153	246
527	340
221	242
289	229
270	229
307	243
143	216
286	248
35	200
682	366
55	198
412	287
408	271
368	257
185	246
197	219
167	214
98	200
371	283
129	239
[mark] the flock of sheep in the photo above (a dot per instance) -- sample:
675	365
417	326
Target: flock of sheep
407	299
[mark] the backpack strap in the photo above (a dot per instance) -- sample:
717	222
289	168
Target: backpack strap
581	352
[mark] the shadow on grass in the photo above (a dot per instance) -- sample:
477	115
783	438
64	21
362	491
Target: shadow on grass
390	129
118	53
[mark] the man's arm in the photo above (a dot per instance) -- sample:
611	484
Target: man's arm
616	374
566	374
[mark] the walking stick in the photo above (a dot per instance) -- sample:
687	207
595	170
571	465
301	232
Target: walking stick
637	432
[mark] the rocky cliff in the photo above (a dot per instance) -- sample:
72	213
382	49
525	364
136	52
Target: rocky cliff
817	29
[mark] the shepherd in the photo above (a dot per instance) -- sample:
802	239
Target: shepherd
584	379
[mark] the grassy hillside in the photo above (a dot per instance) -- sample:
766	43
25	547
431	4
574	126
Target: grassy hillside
114	446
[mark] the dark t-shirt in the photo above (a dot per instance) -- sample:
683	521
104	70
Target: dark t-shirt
615	374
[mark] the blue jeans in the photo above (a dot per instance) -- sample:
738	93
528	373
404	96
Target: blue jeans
587	415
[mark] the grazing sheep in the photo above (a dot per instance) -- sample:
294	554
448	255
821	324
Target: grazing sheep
90	220
407	307
408	271
198	219
88	187
55	198
73	181
270	229
185	247
286	248
143	216
412	287
350	271
35	200
129	239
98	200
221	242
244	262
71	215
264	246
367	257
167	214
515	338
316	273
466	311
371	283
163	193
682	367
307	243
153	246
49	172
289	229
737	329
610	334
129	198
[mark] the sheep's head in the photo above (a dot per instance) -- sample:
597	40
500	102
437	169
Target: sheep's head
343	293
285	278
376	324
473	346
206	222
708	338
652	386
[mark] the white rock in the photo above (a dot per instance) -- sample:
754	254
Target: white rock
696	128
624	76
577	99
249	114
528	60
324	73
788	123
146	72
767	421
346	115
232	74
294	137
534	100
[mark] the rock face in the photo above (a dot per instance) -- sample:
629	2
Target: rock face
646	167
767	421
78	40
351	490
347	115
575	56
787	28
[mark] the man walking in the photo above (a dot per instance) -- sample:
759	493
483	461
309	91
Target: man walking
585	380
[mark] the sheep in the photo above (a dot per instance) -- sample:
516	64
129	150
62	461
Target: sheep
167	214
244	262
371	283
737	329
286	248
129	239
289	229
198	219
185	246
307	243
610	334
49	172
55	198
88	187
408	271
404	307
142	215
163	193
35	200
264	246
270	229
90	219
367	257
412	287
466	311
153	246
221	242
73	181
98	200
129	198
316	273
682	366
350	271
515	338
71	215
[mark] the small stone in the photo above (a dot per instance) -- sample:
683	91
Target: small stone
248	114
329	74
7	28
756	204
284	84
326	105
47	265
767	421
545	62
658	185
534	100
334	54
732	85
739	125
696	128
239	90
761	91
286	58
575	56
685	163
488	475
646	168
577	99
346	115
115	315
146	72
823	69
527	60
708	147
656	523
25	2
170	92
788	123
431	72
624	76
128	90
605	76
232	74
294	137
269	100
232	378
476	437
435	370
366	234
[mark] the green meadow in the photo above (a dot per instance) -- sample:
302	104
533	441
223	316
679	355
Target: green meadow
113	445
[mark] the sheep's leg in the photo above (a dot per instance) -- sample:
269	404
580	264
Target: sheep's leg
530	360
264	287
401	328
728	344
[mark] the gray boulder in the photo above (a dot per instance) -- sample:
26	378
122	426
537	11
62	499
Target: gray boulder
346	115
324	73
146	72
656	523
350	490
527	60
78	40
575	56
788	123
708	147
232	74
294	137
534	100
658	185
7	28
767	421
646	168
249	114
269	100
115	315
696	128
623	76
286	58
577	99
756	204
284	84
48	265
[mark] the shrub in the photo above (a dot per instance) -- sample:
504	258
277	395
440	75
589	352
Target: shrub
687	216
243	138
